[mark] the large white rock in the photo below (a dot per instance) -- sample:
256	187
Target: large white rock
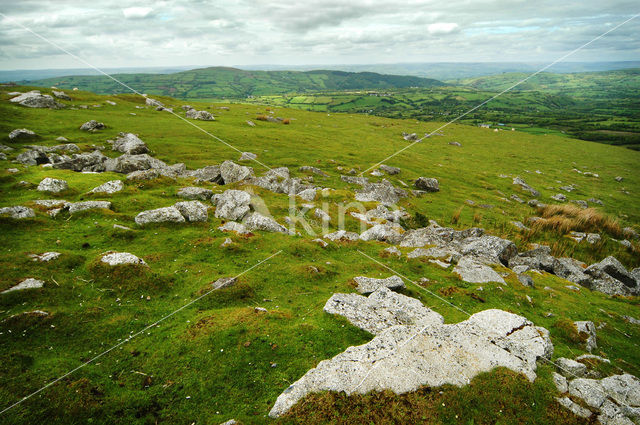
52	185
405	357
18	212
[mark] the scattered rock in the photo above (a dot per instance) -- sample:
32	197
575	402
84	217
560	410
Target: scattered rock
526	280
34	99
88	205
587	329
314	170
61	95
17	212
45	257
130	144
247	156
92	125
383	233
121	258
199	115
232	226
224	282
22	134
160	215
383	192
257	221
367	285
52	185
427	184
109	187
342	236
519	182
29	283
392	171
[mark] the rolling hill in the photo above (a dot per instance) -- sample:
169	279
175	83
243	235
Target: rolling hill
219	82
186	354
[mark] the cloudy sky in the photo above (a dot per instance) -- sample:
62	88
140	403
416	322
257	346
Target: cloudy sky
111	33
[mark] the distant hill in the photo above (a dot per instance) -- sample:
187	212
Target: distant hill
446	71
219	82
605	84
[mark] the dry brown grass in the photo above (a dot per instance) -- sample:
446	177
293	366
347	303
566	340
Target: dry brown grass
567	218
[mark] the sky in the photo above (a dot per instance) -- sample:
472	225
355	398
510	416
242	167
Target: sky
110	33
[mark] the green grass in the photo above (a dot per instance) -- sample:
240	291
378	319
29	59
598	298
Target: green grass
214	360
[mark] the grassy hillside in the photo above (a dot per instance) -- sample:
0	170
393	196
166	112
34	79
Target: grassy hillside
220	82
218	358
591	85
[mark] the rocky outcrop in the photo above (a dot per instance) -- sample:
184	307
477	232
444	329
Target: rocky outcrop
413	348
94	161
34	99
472	271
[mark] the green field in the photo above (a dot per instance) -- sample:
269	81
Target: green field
218	358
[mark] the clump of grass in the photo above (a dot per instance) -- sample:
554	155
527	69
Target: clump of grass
455	218
567	218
